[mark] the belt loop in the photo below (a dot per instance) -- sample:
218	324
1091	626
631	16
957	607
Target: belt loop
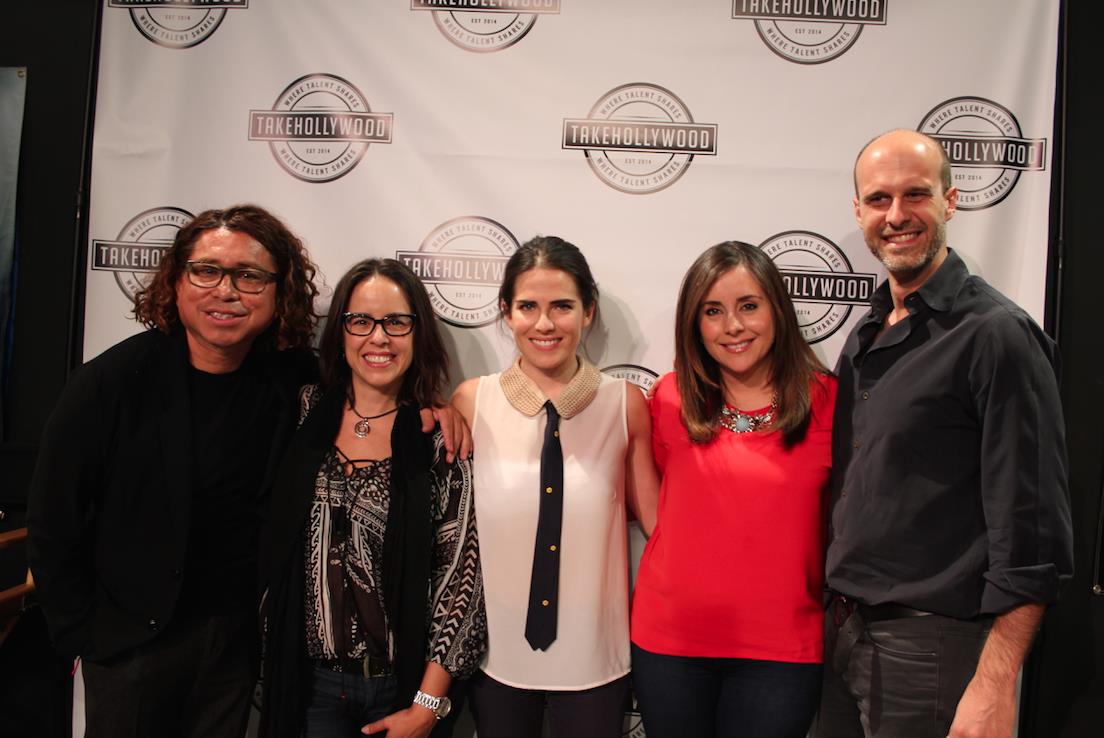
841	609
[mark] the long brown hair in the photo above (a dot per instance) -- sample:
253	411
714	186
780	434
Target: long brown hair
155	306
793	364
429	371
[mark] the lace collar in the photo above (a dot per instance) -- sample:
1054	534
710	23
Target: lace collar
526	397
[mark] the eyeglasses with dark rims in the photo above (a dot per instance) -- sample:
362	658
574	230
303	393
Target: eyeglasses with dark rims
245	279
363	324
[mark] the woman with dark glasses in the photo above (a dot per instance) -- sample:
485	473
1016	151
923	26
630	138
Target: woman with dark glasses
375	602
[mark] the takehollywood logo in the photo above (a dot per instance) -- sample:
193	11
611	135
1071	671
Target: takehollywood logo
134	255
632	726
820	280
810	31
178	24
639	138
485	25
461	263
320	127
986	146
640	376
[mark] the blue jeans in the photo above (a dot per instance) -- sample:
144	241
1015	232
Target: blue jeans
342	703
706	697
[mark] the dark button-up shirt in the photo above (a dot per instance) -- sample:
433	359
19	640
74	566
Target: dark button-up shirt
949	486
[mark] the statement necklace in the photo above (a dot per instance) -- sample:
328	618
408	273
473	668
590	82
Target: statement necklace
363	427
738	421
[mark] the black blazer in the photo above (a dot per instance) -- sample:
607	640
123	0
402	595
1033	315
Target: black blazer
109	504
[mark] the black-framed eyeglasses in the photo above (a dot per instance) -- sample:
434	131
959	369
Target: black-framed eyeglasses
363	324
245	279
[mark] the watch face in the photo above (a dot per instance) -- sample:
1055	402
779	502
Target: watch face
444	708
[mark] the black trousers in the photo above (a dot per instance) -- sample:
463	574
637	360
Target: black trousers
194	680
502	711
900	678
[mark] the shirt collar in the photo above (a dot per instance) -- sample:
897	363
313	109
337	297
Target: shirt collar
940	290
523	393
938	293
881	302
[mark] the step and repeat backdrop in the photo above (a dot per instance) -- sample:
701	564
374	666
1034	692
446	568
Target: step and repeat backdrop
445	133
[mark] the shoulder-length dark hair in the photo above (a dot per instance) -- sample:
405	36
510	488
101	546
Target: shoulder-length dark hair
293	327
549	252
793	365
428	373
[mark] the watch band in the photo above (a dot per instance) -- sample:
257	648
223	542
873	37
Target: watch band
438	705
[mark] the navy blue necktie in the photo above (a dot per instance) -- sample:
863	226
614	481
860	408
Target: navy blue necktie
544	585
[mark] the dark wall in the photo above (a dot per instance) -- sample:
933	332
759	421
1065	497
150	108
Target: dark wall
1064	682
54	40
1064	695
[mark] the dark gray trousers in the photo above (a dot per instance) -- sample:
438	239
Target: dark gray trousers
898	678
193	680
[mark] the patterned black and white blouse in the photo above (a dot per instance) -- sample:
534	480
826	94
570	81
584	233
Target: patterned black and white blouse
345	615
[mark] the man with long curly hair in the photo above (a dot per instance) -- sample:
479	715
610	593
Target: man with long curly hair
144	511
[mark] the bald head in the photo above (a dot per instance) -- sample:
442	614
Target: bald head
903	200
903	141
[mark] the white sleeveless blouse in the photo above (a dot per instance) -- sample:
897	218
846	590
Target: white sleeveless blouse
592	631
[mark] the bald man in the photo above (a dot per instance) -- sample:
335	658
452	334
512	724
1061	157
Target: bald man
950	524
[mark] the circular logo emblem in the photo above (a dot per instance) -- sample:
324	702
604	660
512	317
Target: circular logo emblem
642	377
639	138
461	263
808	43
485	25
810	31
319	127
820	281
633	725
483	32
136	253
986	148
178	25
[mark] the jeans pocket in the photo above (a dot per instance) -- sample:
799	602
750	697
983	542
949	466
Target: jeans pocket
903	645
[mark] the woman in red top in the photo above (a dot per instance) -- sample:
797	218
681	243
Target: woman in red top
727	616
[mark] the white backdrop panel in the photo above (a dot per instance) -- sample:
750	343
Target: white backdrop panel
480	134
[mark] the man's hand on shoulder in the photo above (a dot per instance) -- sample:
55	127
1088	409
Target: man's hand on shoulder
454	429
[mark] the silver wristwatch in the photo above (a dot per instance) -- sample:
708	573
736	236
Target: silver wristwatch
439	705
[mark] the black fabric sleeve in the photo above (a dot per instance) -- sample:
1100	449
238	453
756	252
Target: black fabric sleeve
61	508
1023	466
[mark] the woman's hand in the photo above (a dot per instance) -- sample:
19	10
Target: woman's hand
413	722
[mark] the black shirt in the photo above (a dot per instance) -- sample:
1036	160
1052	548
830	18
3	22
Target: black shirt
232	419
949	486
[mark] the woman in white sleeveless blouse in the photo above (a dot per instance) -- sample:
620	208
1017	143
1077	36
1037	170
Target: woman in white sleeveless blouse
551	509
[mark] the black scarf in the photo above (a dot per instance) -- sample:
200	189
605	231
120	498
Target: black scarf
407	553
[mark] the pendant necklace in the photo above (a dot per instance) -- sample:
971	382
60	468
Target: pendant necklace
738	421
362	427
